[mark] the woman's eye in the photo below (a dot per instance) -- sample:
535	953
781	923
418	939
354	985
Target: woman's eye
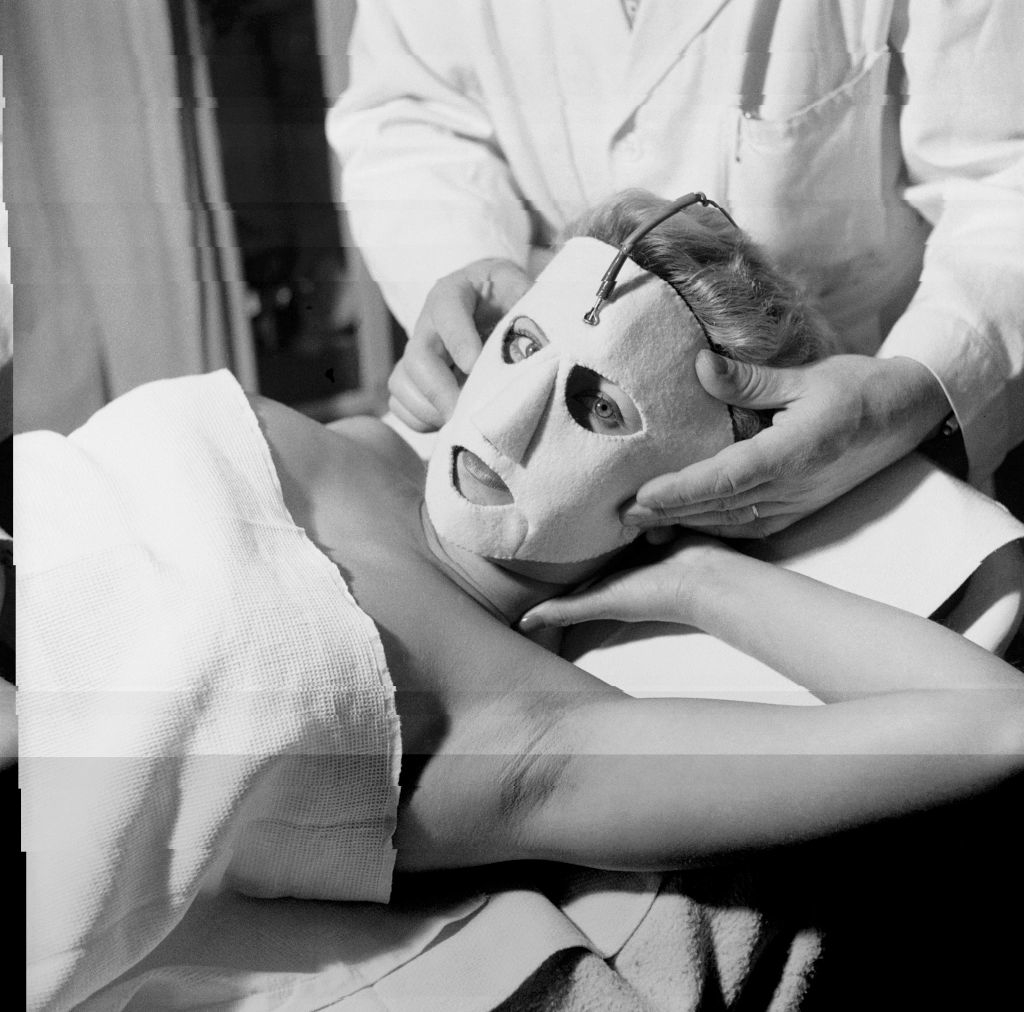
598	404
601	414
519	346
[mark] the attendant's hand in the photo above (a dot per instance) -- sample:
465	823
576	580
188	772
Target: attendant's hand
446	340
660	591
838	421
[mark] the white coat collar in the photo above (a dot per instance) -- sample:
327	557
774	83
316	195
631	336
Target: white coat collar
662	32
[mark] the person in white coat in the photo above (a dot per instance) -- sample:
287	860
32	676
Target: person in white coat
875	151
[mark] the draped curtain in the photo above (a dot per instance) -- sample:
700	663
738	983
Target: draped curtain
124	262
6	307
334	19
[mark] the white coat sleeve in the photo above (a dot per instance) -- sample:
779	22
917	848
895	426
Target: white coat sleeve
963	138
424	183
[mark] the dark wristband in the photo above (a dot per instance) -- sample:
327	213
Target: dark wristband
946	448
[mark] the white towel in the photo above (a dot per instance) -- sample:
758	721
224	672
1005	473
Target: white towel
199	693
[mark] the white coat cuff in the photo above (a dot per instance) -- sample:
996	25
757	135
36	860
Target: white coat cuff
969	370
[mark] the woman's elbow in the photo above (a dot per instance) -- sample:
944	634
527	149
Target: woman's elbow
988	725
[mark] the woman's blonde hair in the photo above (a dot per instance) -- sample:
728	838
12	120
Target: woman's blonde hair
748	310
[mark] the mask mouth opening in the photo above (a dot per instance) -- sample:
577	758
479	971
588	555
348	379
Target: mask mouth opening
476	482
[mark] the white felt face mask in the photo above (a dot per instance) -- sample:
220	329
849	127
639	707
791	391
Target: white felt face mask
534	463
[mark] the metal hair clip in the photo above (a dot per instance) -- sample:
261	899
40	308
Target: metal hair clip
607	286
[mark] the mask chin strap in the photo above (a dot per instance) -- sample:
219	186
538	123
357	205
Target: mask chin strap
608	281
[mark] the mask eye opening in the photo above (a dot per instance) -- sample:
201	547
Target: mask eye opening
599	406
522	340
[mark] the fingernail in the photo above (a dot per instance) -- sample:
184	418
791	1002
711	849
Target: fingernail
531	623
637	515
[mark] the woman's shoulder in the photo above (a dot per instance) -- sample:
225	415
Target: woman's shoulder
375	435
284	425
355	458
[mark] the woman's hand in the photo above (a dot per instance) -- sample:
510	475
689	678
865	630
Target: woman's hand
661	591
461	307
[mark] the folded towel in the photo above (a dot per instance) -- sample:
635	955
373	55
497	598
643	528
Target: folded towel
200	696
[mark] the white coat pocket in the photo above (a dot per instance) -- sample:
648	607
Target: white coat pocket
818	187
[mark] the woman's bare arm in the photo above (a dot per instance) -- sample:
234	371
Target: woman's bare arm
627	783
661	783
597	778
838	645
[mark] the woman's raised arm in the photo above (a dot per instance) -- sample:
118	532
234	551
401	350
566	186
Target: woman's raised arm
837	645
660	782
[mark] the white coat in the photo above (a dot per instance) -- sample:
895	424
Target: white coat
855	142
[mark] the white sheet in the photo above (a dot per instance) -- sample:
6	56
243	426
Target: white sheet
908	537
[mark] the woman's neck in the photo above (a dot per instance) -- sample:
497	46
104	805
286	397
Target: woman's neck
506	588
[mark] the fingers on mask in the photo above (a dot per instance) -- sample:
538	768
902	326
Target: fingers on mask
457	334
738	469
426	385
410	404
735	510
413	421
762	527
766	514
744	384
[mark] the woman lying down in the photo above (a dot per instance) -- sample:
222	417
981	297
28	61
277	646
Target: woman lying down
244	632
